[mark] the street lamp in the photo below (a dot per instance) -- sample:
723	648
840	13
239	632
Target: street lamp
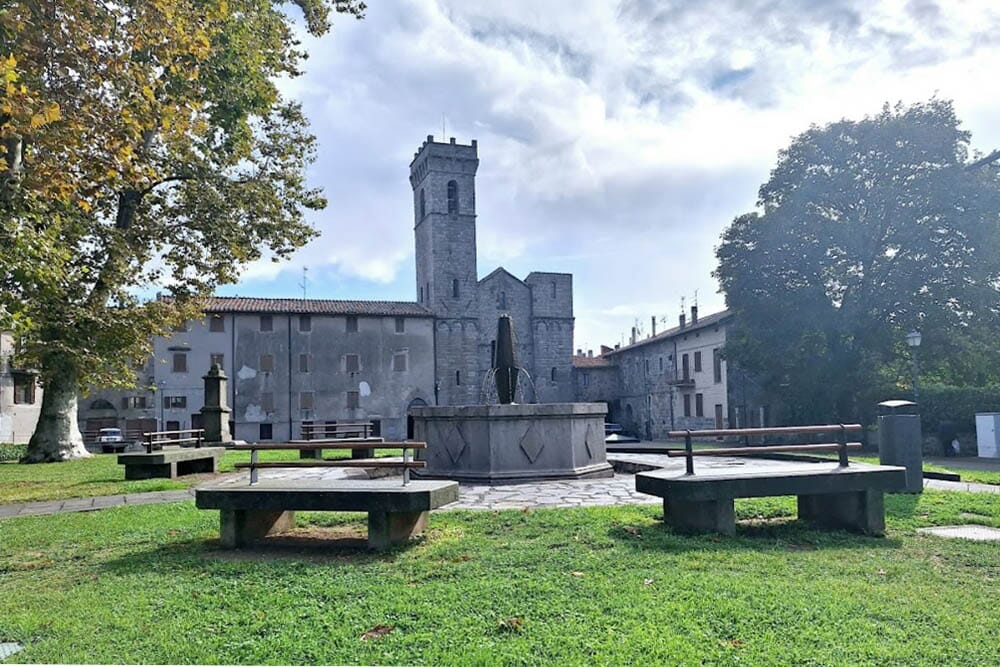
913	340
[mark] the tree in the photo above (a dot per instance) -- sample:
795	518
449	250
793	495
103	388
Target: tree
865	230
145	143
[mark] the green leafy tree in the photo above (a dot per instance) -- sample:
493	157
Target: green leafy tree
865	230
142	142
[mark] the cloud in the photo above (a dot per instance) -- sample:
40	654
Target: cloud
616	141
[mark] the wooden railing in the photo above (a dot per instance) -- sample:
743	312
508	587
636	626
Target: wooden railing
841	446
322	430
255	464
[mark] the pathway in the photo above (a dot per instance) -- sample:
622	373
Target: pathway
619	490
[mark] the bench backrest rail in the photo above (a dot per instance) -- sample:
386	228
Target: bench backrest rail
256	465
183	436
340	429
841	446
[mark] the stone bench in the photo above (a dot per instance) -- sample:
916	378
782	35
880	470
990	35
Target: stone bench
395	512
171	462
828	494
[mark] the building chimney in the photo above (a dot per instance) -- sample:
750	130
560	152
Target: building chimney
632	339
605	350
617	346
682	320
579	352
694	315
590	353
652	320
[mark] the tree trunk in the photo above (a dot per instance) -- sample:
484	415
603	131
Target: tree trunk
57	435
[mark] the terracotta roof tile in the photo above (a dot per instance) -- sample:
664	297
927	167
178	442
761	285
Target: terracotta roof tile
590	362
241	304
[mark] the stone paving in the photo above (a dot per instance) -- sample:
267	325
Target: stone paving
967	532
619	490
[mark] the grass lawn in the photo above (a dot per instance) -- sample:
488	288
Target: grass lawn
147	584
101	475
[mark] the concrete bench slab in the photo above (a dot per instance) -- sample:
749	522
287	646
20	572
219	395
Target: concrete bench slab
395	512
171	462
828	494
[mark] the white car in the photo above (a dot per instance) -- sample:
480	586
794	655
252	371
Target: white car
111	439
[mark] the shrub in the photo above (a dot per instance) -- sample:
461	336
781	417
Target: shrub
958	405
10	452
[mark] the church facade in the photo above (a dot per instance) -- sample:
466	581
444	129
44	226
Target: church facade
299	361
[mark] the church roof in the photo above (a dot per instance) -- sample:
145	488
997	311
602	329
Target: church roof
243	304
497	272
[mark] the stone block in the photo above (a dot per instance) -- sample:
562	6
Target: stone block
241	527
171	462
859	511
386	529
709	516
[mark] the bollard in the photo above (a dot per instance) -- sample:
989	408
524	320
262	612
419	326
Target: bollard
900	443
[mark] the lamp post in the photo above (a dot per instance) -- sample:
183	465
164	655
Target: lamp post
913	340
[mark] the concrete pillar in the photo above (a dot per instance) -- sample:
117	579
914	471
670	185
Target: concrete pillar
860	511
900	443
238	528
703	516
388	528
215	413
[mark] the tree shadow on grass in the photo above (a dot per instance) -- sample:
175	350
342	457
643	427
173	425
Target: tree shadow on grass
308	544
783	534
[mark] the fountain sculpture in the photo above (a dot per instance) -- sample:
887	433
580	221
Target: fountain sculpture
503	441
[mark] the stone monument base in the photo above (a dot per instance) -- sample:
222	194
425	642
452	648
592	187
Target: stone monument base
505	444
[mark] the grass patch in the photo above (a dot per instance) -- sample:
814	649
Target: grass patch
100	475
148	584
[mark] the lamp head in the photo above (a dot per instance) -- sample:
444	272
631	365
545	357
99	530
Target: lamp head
913	338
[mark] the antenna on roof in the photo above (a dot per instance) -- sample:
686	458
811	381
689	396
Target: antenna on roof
305	280
682	305
443	132
696	298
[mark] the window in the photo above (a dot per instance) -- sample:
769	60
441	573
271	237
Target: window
458	377
699	405
180	362
267	401
647	366
553	374
717	365
687	405
454	288
134	402
352	363
217	358
24	389
697	362
303	363
421	294
452	197
305	323
399	361
585	377
266	363
175	402
353	400
400	325
266	432
352	324
686	368
661	364
423	204
554	288
305	400
216	323
266	323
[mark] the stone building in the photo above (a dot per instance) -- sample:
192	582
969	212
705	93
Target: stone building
20	396
677	379
295	361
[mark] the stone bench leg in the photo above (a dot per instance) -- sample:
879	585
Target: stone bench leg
364	453
310	453
210	464
861	511
238	528
706	516
151	471
388	528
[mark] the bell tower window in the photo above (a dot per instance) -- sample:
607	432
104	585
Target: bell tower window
452	197
454	288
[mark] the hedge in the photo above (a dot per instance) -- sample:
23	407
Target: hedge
958	405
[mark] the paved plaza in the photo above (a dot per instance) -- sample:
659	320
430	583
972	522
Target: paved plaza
619	490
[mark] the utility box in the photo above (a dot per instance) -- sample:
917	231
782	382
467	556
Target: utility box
987	434
900	443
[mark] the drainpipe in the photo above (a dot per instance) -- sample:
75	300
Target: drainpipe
289	376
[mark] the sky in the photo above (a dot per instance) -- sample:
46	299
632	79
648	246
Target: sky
616	139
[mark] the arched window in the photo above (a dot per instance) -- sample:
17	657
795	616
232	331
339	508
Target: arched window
552	374
458	377
423	205
101	404
454	288
452	197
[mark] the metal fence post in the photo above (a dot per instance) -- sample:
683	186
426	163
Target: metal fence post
842	442
688	454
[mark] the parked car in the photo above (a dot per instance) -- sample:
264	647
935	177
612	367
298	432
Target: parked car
111	440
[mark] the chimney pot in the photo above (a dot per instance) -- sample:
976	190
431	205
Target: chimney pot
453	140
652	320
590	353
694	314
579	352
430	137
682	320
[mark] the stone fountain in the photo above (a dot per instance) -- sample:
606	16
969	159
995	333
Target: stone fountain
503	441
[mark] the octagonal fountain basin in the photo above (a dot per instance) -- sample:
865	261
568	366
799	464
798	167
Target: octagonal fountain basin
502	444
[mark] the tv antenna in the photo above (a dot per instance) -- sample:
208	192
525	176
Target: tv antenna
305	280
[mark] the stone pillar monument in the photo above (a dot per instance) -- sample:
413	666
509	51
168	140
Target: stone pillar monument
215	413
